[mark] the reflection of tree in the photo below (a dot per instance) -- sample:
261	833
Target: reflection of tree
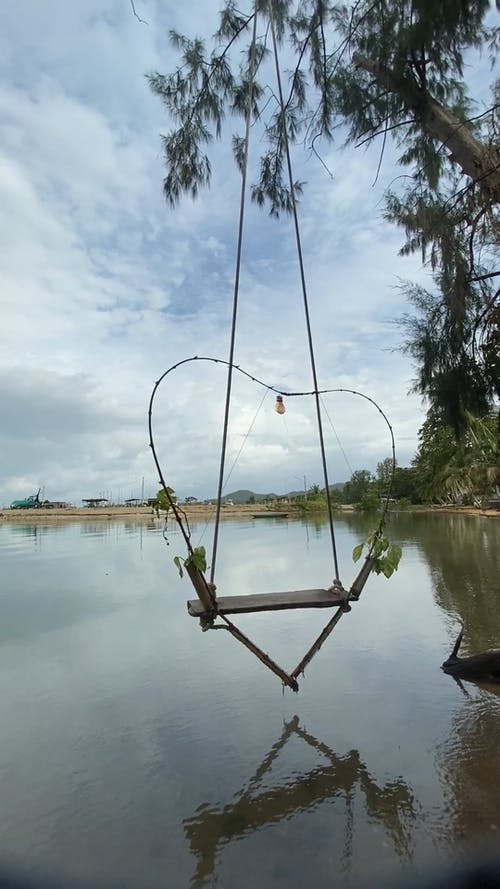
469	762
315	523
26	530
463	555
391	805
34	532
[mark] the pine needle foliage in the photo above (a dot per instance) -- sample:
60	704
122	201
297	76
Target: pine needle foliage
368	71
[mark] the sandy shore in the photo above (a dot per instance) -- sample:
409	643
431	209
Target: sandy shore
140	513
198	511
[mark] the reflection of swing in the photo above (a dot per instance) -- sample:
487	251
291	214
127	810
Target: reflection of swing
259	805
209	606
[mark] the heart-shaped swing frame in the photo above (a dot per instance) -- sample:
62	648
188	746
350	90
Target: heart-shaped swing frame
209	607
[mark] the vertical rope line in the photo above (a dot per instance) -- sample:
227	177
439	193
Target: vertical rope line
304	293
336	436
251	73
245	438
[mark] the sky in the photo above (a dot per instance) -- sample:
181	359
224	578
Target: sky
103	286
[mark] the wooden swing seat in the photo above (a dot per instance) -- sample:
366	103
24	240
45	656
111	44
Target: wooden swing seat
256	602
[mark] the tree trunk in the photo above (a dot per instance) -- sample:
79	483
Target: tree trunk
479	162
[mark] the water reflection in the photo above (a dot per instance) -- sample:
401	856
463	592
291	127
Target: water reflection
462	554
258	805
119	719
464	559
468	761
101	528
24	530
27	531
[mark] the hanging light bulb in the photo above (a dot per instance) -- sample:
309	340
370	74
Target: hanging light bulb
279	407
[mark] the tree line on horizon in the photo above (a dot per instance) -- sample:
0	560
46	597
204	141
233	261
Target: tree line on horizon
442	471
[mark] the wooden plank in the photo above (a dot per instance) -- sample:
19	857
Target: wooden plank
271	602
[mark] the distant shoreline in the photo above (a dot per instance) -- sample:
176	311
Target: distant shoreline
145	513
207	512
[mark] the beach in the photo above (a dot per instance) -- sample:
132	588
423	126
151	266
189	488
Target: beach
204	511
192	510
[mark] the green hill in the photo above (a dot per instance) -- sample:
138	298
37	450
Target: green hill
243	496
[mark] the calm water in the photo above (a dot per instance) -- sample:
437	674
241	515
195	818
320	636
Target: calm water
139	751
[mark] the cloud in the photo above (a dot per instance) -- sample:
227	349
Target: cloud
103	286
56	429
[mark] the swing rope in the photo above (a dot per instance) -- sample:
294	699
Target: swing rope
347	463
245	439
244	168
204	588
305	299
235	461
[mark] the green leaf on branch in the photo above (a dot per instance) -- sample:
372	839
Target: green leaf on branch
179	563
386	555
356	553
394	555
164	499
198	559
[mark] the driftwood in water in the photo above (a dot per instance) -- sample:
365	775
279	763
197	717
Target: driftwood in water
476	667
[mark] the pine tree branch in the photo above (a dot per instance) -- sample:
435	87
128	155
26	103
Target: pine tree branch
373	135
476	160
142	21
486	277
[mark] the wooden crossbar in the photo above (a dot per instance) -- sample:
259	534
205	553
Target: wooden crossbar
271	602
